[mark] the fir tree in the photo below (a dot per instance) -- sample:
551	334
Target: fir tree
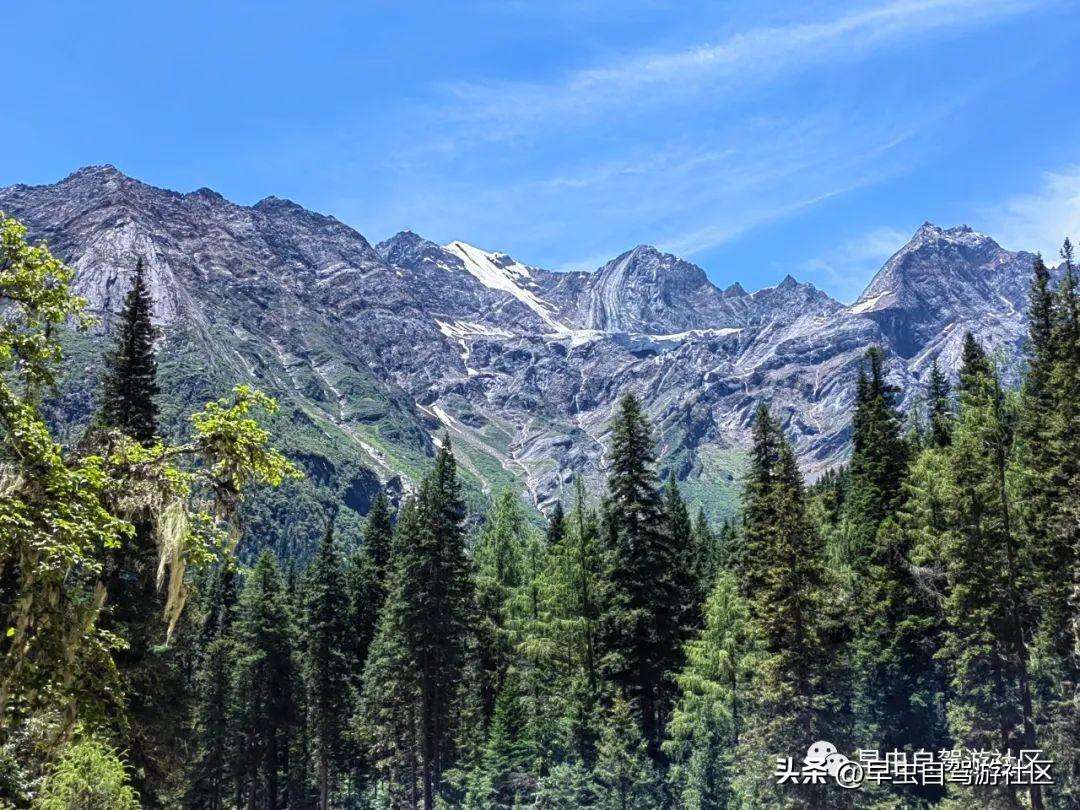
556	527
264	683
134	607
712	549
899	693
624	770
388	718
990	702
128	400
642	634
212	767
706	725
438	617
939	407
759	503
498	572
878	457
507	777
787	706
325	665
688	566
1048	471
378	533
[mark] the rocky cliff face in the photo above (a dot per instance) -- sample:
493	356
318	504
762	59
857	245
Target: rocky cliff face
376	351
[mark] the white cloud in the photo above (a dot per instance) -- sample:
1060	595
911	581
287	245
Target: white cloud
848	268
732	64
1040	220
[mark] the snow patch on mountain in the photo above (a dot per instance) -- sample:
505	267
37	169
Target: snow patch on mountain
498	272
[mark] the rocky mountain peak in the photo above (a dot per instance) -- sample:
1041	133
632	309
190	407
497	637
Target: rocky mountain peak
374	351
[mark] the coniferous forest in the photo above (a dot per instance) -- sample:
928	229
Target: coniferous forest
617	652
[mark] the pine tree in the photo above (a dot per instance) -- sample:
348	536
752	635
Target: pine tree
624	769
990	701
498	562
134	607
1048	480
573	587
264	683
556	525
642	635
438	617
759	503
939	407
899	693
878	457
210	772
688	565
712	548
388	717
706	725
364	596
507	777
787	707
378	533
130	385
325	665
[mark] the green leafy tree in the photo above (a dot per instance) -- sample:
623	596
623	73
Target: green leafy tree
89	776
63	511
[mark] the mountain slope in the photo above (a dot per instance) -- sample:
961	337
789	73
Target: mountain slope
376	351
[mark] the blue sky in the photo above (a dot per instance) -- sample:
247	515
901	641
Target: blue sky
755	139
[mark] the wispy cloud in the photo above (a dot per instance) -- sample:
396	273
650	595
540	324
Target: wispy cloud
848	267
1040	220
736	63
686	148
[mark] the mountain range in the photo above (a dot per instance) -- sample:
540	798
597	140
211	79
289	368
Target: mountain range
375	352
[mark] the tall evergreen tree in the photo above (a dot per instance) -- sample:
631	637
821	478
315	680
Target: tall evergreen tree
134	606
878	457
939	407
707	722
990	702
642	634
688	565
1048	479
556	524
625	772
498	560
325	664
388	719
130	385
378	533
787	701
438	615
210	771
759	504
264	683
